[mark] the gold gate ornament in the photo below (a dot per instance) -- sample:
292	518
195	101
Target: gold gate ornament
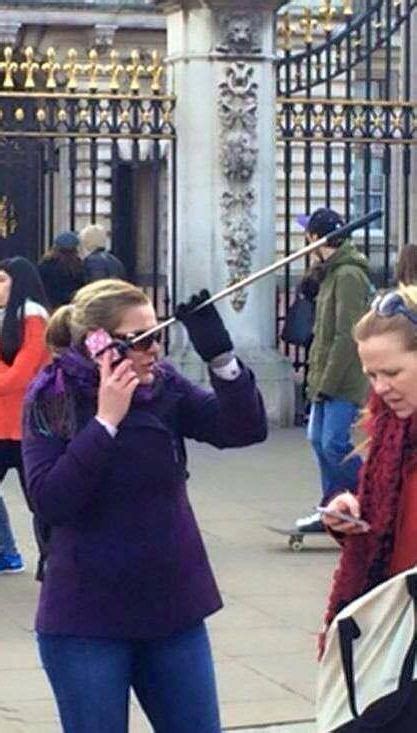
8	217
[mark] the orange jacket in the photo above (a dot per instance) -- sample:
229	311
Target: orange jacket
14	378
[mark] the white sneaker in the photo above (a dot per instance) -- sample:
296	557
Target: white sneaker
310	523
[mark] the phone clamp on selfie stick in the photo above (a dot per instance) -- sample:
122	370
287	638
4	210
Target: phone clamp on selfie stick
339	233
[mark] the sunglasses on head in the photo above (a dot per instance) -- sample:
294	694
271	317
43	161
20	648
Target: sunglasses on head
126	340
393	304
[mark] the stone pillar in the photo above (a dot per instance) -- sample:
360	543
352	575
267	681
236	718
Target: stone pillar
221	58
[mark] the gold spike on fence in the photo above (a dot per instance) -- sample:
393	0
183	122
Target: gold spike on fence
302	25
25	70
327	12
308	24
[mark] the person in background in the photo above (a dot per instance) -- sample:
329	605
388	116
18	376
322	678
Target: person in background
23	320
406	270
337	386
387	497
127	582
99	263
61	269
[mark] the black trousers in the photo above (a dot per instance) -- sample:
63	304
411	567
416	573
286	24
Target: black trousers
10	457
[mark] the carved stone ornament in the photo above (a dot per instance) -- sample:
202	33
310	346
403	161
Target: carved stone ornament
238	98
239	158
239	33
238	113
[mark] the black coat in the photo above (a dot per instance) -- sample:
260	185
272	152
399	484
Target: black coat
59	281
102	264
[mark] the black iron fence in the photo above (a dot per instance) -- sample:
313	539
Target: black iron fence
90	140
346	129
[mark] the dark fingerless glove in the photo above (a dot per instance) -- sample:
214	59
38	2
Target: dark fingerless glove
205	328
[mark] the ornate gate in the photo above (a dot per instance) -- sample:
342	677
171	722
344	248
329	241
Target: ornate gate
82	141
346	126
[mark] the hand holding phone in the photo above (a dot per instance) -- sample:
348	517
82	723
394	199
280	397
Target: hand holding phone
116	388
344	517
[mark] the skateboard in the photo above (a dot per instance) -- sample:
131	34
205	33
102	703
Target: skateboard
295	536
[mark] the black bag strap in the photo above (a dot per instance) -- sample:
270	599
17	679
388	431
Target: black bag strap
349	631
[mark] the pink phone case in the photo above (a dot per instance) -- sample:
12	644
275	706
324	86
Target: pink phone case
96	343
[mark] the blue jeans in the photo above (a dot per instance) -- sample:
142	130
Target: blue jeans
329	429
172	678
7	541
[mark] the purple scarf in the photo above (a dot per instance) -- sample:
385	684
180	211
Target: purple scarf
50	403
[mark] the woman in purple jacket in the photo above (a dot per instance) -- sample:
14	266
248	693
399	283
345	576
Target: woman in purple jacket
127	584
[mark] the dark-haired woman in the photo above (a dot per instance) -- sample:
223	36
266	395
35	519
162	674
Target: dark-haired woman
23	319
62	269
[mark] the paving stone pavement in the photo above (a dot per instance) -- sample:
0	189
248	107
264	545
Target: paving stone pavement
264	638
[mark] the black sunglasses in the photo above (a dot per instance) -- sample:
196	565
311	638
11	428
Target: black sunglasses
393	304
125	340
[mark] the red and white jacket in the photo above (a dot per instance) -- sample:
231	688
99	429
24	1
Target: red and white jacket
14	379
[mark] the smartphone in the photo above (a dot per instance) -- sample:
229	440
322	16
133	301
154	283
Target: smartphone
343	516
97	342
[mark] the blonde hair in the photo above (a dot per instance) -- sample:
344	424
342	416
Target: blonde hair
97	305
92	237
373	324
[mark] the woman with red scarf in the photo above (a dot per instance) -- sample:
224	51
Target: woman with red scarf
387	496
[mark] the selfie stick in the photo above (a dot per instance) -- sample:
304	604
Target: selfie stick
340	233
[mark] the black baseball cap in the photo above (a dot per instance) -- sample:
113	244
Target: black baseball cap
322	222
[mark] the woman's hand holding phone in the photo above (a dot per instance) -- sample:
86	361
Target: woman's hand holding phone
117	385
342	514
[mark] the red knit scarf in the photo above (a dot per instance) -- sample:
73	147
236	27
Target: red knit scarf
365	558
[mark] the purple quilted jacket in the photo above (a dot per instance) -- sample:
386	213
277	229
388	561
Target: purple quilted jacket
126	558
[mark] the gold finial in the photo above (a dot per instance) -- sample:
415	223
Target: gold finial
29	67
8	66
327	12
135	69
308	24
93	68
287	29
155	69
72	69
347	7
114	69
50	67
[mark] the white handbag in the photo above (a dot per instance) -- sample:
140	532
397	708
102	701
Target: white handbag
366	674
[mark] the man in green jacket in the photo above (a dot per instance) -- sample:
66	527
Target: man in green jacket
337	386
